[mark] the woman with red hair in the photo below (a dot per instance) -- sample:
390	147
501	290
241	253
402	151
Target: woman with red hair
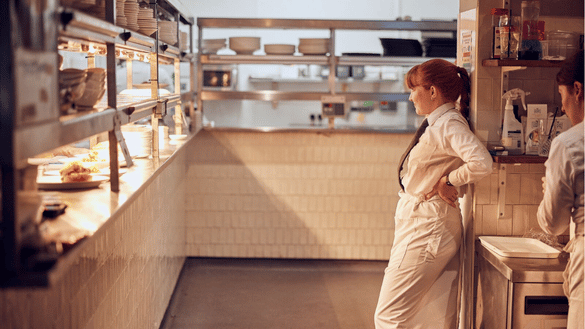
420	286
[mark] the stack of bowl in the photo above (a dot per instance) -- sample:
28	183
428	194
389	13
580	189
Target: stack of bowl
211	46
313	46
279	49
95	87
168	31
71	87
244	45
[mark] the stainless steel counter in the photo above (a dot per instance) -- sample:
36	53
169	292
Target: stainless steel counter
526	269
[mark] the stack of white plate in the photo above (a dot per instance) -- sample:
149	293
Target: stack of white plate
184	40
279	49
244	45
71	87
131	14
313	46
120	16
95	88
211	46
146	21
168	31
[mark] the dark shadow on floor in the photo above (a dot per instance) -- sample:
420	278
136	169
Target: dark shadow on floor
214	293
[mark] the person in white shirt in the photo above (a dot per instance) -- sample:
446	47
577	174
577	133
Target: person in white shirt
563	186
420	286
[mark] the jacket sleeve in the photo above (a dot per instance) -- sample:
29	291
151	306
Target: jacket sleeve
554	211
477	161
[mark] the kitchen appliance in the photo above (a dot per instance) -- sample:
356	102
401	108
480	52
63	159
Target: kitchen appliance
219	77
519	292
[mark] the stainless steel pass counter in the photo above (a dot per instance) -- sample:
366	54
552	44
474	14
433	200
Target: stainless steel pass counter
520	293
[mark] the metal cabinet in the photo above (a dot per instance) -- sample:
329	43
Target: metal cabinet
518	293
31	121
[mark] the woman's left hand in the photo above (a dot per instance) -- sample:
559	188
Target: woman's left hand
448	193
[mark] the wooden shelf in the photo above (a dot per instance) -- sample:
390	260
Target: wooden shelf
527	63
519	159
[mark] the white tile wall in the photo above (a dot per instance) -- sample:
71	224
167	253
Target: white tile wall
524	191
292	195
125	273
523	195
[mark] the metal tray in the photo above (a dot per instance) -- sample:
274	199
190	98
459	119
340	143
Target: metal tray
518	247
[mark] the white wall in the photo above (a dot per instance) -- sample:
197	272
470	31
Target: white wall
252	113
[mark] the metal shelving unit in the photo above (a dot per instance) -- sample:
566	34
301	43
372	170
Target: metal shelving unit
331	60
30	117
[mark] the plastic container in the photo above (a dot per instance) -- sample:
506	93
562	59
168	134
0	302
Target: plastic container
560	45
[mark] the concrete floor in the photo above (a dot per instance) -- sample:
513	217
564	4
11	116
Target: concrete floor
261	293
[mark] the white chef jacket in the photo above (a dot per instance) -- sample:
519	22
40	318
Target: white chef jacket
563	200
446	147
421	280
564	194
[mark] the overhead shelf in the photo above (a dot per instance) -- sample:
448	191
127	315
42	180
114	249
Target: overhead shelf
271	95
328	24
314	59
525	63
82	28
74	127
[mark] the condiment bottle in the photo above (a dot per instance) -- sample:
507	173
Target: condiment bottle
496	47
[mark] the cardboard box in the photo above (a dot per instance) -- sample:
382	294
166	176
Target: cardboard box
536	118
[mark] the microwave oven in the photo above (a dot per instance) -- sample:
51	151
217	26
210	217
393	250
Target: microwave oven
219	77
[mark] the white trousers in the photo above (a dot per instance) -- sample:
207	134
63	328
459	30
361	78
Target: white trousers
420	286
573	283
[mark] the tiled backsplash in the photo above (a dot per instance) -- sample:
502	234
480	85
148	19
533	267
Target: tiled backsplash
124	274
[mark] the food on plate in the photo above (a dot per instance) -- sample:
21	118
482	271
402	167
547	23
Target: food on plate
93	156
75	172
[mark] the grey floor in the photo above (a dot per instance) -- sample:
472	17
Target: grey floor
275	294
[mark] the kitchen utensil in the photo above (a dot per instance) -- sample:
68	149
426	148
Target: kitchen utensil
545	145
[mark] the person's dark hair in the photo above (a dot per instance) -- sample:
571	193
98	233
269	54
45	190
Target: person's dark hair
451	80
572	70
